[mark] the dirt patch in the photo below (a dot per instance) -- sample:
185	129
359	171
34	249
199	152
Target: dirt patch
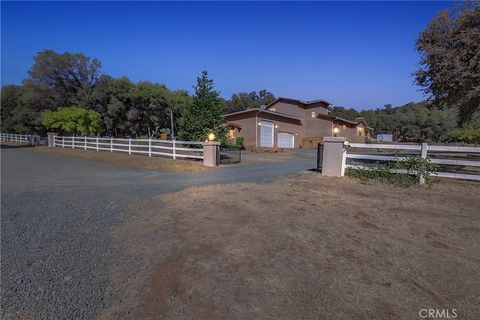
300	247
122	159
9	144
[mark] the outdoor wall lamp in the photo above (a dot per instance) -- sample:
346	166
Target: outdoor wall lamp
211	136
336	130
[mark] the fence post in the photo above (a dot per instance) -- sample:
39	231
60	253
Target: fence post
63	141
211	154
85	143
334	156
51	136
97	142
424	156
129	146
111	144
73	142
149	147
173	150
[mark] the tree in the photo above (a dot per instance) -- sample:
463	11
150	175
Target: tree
450	60
204	114
79	121
63	79
247	100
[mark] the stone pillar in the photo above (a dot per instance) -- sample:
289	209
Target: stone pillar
211	153
51	139
334	156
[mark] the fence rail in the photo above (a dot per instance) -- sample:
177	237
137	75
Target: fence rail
13	137
424	149
151	147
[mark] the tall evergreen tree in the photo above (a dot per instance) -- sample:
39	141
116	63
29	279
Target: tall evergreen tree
204	114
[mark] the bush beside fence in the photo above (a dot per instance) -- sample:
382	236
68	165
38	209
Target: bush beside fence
426	152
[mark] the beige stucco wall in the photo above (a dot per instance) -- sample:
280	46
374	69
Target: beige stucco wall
283	125
351	134
250	129
307	128
288	108
315	127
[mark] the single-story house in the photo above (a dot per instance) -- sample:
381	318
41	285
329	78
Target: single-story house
291	123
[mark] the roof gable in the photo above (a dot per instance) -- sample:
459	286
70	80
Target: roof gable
300	103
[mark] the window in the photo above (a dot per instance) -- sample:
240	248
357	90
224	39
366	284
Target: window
313	114
231	133
360	131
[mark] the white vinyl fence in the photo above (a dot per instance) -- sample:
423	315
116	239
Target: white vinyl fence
151	147
438	155
13	137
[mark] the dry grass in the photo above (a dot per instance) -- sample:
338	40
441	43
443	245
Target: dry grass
303	247
123	159
11	144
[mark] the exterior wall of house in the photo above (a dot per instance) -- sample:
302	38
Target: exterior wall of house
248	127
282	125
294	110
353	134
250	130
288	108
318	108
315	127
307	132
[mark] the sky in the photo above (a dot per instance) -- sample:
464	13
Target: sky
353	54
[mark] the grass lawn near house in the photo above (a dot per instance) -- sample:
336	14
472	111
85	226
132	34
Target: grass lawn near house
300	247
124	159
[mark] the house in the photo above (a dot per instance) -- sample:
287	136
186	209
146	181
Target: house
291	123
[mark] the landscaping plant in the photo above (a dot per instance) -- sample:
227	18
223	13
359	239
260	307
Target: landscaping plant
387	171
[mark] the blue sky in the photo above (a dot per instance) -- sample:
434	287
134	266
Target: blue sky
354	54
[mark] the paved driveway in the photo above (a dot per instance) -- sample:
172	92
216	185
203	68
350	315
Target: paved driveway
57	216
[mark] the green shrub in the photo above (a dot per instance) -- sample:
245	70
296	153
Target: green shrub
79	121
415	166
239	141
467	135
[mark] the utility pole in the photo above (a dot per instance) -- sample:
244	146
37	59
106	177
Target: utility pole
172	133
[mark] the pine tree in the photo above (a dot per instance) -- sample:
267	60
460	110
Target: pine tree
205	114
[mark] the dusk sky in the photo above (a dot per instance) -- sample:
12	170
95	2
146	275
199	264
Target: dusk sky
353	54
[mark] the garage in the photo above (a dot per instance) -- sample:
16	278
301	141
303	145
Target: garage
286	140
266	134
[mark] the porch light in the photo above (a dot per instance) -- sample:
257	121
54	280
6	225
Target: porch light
336	130
211	136
276	126
259	123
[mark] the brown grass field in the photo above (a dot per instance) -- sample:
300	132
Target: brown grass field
124	159
301	247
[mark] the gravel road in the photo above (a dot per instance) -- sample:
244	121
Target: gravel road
57	217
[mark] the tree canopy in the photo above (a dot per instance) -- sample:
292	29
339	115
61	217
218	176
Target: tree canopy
450	60
247	100
414	122
205	114
58	80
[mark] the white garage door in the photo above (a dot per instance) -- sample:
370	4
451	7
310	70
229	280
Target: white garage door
285	140
266	134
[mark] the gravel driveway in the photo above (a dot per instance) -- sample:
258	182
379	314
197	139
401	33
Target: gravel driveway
57	218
